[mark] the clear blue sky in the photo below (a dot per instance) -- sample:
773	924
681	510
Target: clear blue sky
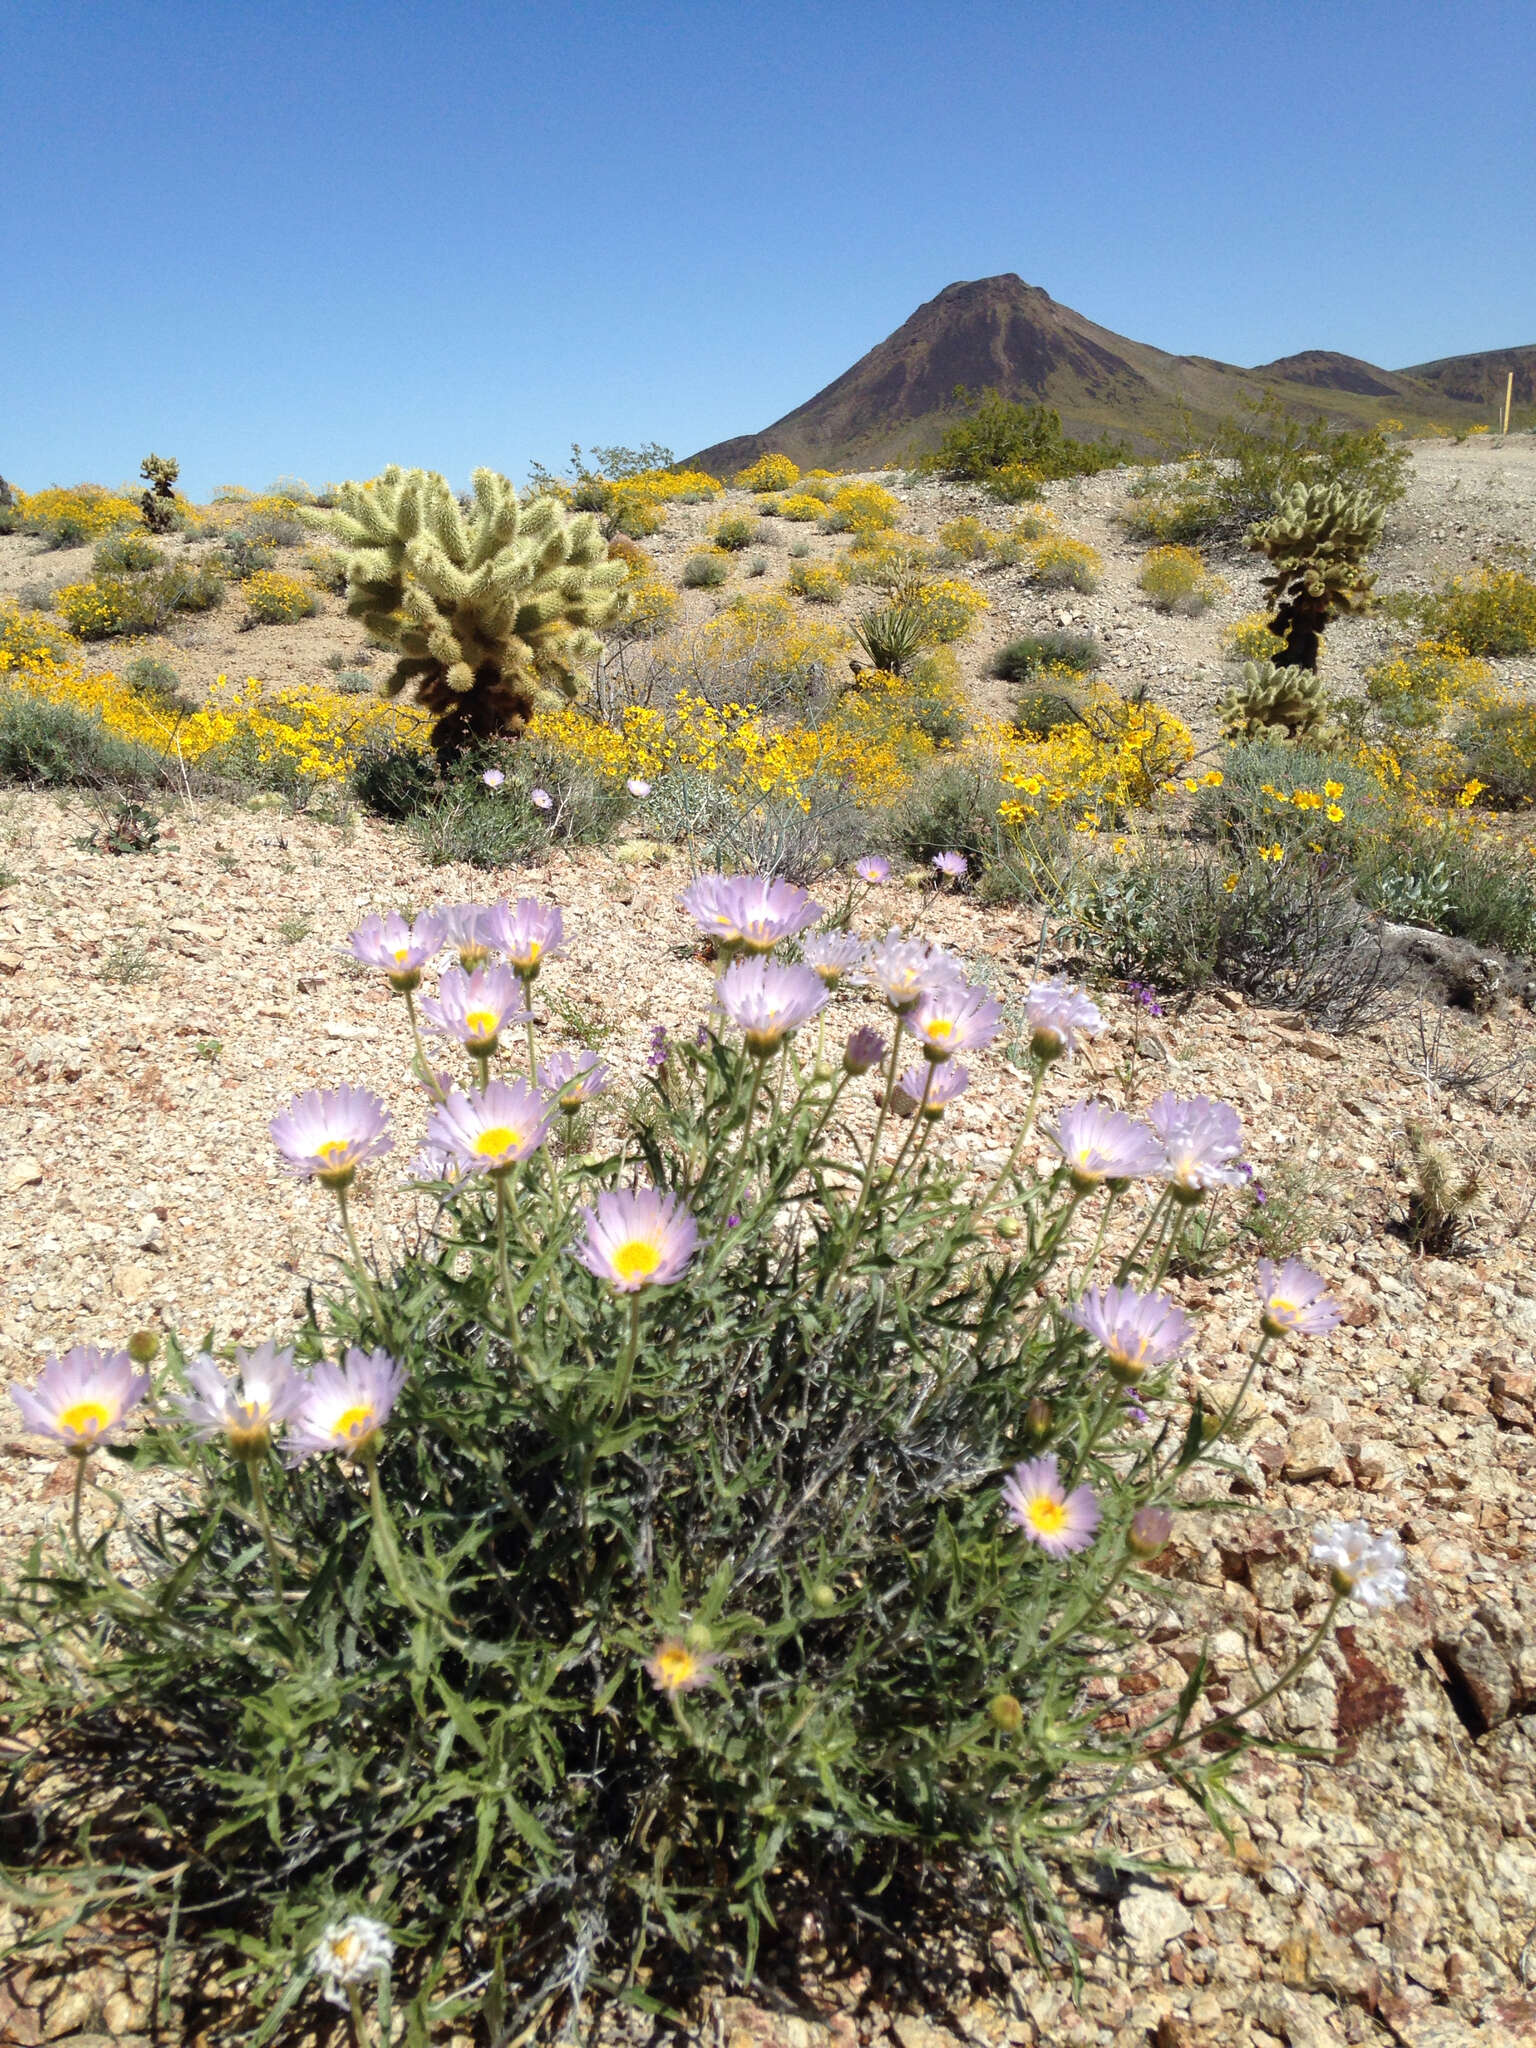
267	237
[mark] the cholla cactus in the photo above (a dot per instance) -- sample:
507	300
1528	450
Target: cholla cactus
1318	538
158	503
492	608
1441	1206
1269	702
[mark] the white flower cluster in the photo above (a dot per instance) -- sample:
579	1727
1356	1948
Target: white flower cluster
351	1952
1368	1568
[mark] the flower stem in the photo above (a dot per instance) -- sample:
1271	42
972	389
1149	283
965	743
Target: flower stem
355	2008
919	1123
1288	1677
422	1062
533	1055
364	1277
627	1362
74	1505
502	1265
1019	1143
259	1497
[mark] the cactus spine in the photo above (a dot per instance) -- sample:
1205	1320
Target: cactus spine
1270	702
492	608
1317	540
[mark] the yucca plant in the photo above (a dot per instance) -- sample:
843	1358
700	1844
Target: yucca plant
892	637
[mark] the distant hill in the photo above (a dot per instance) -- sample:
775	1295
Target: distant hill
897	400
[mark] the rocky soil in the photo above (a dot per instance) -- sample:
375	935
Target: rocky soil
156	1011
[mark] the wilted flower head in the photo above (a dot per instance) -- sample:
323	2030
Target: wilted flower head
541	799
954	865
1059	1017
264	1392
475	1008
1293	1300
1149	1531
493	778
352	1951
528	932
904	970
492	1129
1060	1522
1203	1141
865	1049
677	1668
401	949
575	1077
1136	1332
873	868
637	1238
929	1089
462	929
82	1398
1099	1144
326	1134
748	913
638	786
344	1406
766	1001
1365	1567
954	1018
433	1161
833	954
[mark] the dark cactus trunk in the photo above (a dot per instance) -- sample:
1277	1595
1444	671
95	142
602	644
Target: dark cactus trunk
1299	621
495	707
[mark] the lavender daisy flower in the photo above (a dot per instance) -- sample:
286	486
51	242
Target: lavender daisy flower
493	1129
401	949
1059	1017
744	912
833	954
345	1406
575	1077
1293	1302
541	799
676	1668
352	1951
915	1090
1099	1144
954	866
638	786
1203	1141
433	1161
326	1135
1366	1568
493	778
954	1018
82	1398
1058	1521
265	1392
905	969
463	930
766	1001
865	1049
1136	1332
637	1238
528	932
874	868
474	1008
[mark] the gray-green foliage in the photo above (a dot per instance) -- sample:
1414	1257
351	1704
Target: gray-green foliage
492	609
1267	702
1316	540
892	636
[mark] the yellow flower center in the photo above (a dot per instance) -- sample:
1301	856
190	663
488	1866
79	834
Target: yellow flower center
498	1139
334	1150
675	1665
85	1418
531	954
941	1027
353	1423
482	1023
637	1260
402	954
1280	1308
1046	1515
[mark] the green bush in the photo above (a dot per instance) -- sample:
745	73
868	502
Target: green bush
892	636
1494	613
328	567
126	554
999	434
54	746
353	682
149	676
952	808
273	599
1497	738
1175	579
734	532
394	782
705	572
111	607
1032	654
1479	889
241	556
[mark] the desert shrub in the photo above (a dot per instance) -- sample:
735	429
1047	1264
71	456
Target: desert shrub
1029	655
126	554
274	523
1111	755
1284	932
1477	889
1000	439
800	507
891	636
1176	580
927	699
737	530
1060	563
107	607
946	607
148	675
1172	508
768	473
55	746
965	537
1250	639
69	518
1496	735
952	807
1418	685
467	825
1493	612
240	557
393	781
1045	705
328	569
1280	703
353	682
757	565
817	582
889	561
796	840
1014	484
706	570
273	599
28	637
862	508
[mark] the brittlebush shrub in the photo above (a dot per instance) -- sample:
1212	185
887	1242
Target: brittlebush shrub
1251	639
768	473
67	518
1176	580
800	507
1497	741
1493	612
273	599
1060	563
863	508
1419	685
816	582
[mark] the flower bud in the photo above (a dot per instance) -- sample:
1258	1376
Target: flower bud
1006	1714
823	1597
144	1346
1038	1419
1046	1045
1149	1531
699	1638
1009	1226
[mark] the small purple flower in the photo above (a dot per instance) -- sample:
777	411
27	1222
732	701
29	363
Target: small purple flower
638	787
954	1018
493	778
1259	1192
326	1136
656	1058
833	954
930	1089
637	1238
1293	1301
82	1398
747	913
528	932
541	799
462	925
865	1049
401	949
575	1078
874	868
265	1392
1058	1521
494	1129
1059	1016
345	1406
474	1008
1136	1332
1145	996
766	1001
905	969
1203	1141
954	866
1098	1144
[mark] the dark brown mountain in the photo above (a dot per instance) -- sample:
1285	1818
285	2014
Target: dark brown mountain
1480	380
999	331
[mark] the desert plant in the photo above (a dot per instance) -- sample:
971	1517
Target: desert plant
1492	613
148	675
158	503
952	808
273	599
328	568
1029	655
965	537
757	565
1250	639
891	636
126	554
353	682
241	556
1417	686
56	746
1271	702
1496	735
1061	563
946	607
394	782
489	609
801	508
768	473
105	607
998	435
1441	1205
862	508
67	518
1176	580
737	530
816	582
1317	541
706	570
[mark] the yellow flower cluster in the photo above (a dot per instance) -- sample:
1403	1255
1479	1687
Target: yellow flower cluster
818	582
770	642
273	599
1115	756
799	506
233	506
1174	576
98	607
768	473
947	607
1421	685
1059	560
1306	800
86	510
652	604
639	503
866	508
1249	639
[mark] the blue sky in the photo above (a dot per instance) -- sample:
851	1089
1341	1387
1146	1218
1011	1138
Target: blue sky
269	237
